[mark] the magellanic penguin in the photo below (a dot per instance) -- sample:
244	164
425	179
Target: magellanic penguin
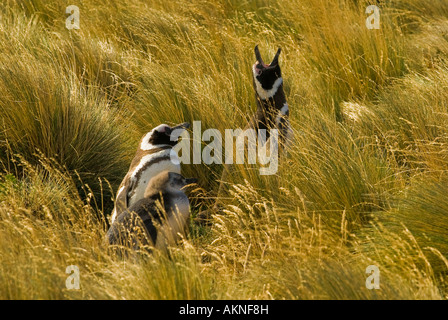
153	156
158	219
272	107
272	113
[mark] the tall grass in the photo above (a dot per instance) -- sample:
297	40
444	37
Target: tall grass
362	184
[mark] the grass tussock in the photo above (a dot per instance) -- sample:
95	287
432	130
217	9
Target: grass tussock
363	183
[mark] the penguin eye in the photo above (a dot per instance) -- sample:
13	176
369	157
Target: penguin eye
166	130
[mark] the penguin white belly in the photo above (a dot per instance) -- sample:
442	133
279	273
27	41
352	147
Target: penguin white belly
147	174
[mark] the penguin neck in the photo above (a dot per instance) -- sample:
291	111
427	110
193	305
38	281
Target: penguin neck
142	153
156	193
154	147
157	149
269	105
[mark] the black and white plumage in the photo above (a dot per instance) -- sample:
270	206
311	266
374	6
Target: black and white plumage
158	218
272	107
272	113
153	156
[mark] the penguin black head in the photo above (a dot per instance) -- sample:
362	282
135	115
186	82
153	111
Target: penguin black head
177	181
267	77
161	135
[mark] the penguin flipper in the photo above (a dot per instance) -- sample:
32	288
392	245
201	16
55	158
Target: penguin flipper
122	199
121	203
151	229
129	191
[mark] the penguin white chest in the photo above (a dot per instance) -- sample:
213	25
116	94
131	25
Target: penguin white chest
149	166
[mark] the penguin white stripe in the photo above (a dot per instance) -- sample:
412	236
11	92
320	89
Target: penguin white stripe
151	171
152	163
120	190
283	112
145	145
266	94
144	160
284	109
114	213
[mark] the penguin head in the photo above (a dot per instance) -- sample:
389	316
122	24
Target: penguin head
176	181
267	77
162	135
170	182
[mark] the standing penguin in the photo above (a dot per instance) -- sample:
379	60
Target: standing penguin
153	156
158	218
272	108
272	113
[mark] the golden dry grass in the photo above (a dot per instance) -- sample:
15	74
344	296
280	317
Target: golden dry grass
364	182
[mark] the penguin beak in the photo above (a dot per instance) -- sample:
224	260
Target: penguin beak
275	60
261	65
258	57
